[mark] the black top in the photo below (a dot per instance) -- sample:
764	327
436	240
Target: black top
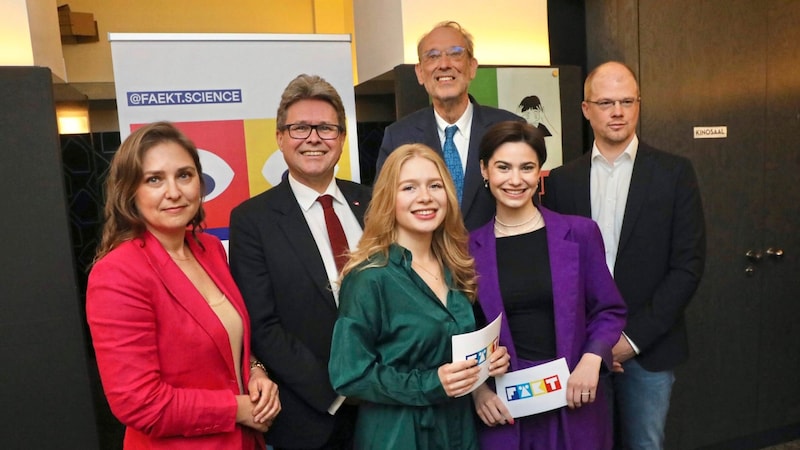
523	266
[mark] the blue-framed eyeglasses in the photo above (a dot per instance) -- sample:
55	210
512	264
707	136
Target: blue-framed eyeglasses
456	53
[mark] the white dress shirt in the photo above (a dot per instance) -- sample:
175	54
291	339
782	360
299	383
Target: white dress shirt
461	138
315	218
610	182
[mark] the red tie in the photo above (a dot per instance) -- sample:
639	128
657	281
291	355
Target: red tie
335	232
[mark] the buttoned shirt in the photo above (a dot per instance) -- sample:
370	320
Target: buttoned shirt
610	183
461	138
315	218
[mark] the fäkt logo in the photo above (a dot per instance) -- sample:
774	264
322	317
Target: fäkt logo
535	388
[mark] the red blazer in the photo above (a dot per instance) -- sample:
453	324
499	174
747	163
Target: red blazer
163	355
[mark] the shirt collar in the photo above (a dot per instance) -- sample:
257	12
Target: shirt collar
629	152
464	123
306	197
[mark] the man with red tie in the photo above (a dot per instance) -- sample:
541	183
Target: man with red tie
287	246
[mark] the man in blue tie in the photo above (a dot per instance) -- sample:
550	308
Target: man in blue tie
455	124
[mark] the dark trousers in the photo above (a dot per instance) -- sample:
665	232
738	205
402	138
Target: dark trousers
343	431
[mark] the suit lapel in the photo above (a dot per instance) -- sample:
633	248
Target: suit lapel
186	294
642	176
429	132
484	249
472	177
564	272
581	180
292	222
357	202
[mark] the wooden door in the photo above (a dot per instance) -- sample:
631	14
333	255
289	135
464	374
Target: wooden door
733	63
779	357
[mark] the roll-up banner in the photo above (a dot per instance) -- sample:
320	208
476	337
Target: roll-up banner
223	91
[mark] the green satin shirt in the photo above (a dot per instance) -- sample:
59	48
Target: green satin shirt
391	336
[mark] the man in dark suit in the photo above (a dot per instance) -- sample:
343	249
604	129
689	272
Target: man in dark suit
446	67
283	260
648	207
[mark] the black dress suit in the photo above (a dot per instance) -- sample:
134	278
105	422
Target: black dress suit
278	268
661	254
477	205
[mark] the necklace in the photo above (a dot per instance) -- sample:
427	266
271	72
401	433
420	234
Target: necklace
497	220
426	270
502	229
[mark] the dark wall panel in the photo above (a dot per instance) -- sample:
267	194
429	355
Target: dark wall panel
731	63
708	76
45	388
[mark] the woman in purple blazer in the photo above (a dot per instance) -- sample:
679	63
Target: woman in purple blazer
547	273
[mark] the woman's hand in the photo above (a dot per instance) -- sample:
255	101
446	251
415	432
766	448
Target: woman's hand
458	377
499	361
490	409
244	414
582	383
264	396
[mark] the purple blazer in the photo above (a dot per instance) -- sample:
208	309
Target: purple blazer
589	315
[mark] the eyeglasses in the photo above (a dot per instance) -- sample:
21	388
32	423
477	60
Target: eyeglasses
456	53
325	131
608	103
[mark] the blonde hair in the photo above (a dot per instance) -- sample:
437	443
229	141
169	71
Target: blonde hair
449	243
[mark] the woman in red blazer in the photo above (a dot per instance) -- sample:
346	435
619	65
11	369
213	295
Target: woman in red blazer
169	327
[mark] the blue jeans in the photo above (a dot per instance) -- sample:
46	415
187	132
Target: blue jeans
641	403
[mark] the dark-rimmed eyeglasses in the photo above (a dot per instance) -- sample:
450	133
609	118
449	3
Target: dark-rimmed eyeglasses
456	53
607	103
325	131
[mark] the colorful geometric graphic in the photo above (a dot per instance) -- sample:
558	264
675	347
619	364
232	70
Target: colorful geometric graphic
482	355
240	159
534	388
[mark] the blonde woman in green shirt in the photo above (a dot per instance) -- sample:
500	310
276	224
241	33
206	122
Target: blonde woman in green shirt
408	288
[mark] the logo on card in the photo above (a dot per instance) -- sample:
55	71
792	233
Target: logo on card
483	354
534	388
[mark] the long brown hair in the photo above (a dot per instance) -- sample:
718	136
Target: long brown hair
449	243
122	220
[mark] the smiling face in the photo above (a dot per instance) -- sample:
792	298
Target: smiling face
446	78
311	160
170	193
513	175
421	202
614	127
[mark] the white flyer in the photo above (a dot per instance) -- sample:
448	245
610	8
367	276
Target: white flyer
535	389
478	345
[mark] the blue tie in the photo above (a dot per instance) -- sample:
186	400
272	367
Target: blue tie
453	161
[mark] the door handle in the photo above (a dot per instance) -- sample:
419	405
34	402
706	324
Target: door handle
754	255
774	253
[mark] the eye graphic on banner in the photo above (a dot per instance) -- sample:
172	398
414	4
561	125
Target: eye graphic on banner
216	172
274	167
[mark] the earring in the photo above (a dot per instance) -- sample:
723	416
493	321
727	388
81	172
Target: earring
486	183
